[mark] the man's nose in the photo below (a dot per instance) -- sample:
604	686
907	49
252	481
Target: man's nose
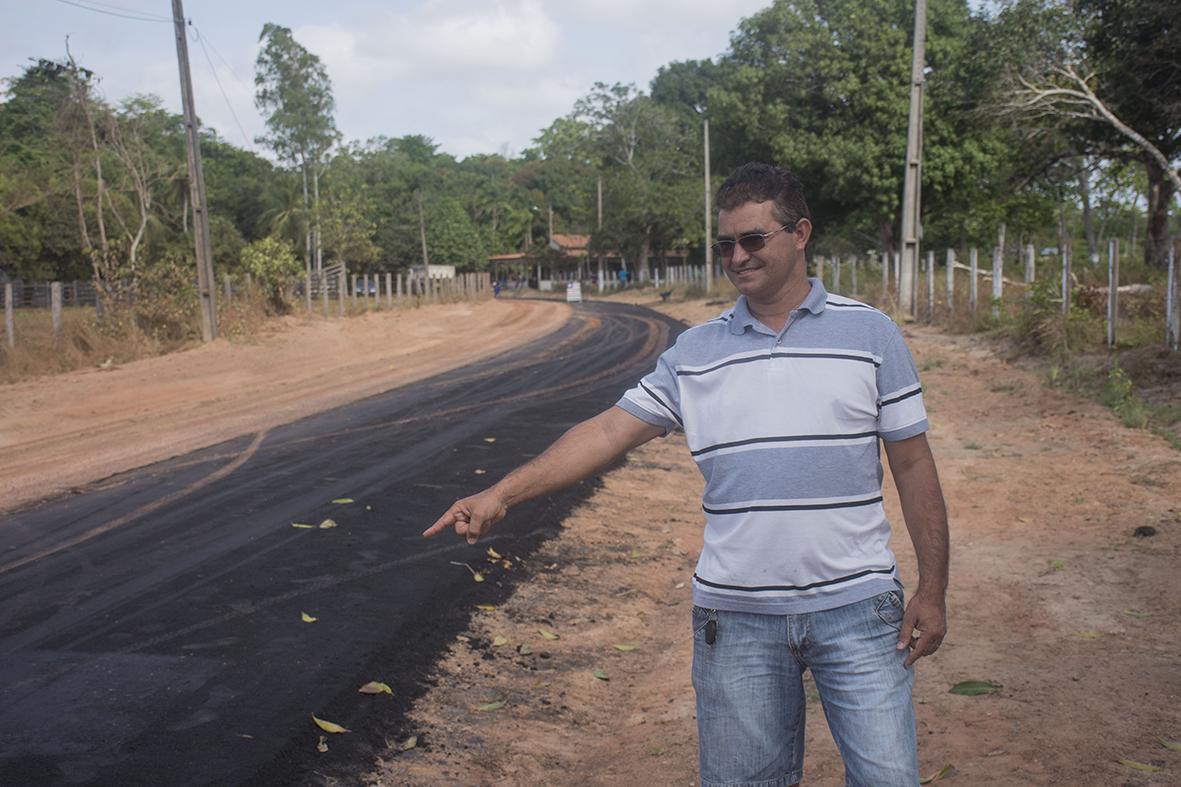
740	255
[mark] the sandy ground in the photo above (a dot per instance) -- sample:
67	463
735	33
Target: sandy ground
61	431
1052	595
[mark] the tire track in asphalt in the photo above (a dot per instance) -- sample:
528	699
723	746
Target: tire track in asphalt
150	626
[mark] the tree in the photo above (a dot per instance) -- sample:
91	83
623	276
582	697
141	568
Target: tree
293	89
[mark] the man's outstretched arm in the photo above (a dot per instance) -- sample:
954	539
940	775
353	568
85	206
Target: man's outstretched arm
583	450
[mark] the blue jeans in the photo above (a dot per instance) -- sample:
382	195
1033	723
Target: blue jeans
751	703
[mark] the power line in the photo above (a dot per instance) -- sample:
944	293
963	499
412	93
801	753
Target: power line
122	13
213	70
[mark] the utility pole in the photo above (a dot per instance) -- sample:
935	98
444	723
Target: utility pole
912	184
426	262
205	285
709	219
599	232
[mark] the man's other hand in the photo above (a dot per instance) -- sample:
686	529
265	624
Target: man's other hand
928	615
472	516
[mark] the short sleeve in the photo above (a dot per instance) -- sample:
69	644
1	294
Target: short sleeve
656	399
901	413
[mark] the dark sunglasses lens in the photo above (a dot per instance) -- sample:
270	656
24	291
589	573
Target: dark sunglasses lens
752	243
725	248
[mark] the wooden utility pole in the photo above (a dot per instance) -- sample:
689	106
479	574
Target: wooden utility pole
709	228
206	292
912	184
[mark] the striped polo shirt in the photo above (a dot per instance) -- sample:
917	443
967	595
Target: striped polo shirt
785	429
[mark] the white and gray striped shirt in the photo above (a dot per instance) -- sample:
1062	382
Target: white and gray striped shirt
785	429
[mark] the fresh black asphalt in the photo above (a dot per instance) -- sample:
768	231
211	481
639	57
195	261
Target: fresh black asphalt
150	624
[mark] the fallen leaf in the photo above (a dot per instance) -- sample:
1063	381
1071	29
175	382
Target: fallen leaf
328	726
508	564
499	640
306	618
476	575
1138	615
1170	745
244	735
409	743
1140	766
322	746
635	553
547	634
343	500
375	687
524	650
1087	634
489	439
626	648
601	675
491	706
486	607
1024	520
328	524
478	471
973	688
302	526
934	777
679	585
492	553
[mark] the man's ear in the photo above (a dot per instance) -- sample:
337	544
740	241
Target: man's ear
803	232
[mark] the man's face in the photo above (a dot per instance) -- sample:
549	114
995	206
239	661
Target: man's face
774	270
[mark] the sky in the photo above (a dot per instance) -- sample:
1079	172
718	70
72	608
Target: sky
476	76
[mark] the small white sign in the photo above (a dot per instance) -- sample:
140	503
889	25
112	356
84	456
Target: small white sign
573	292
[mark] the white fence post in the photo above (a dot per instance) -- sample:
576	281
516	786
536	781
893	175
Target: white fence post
1112	289
950	282
323	282
55	301
1172	307
973	283
930	286
853	272
885	274
998	279
836	273
9	322
1030	269
1065	278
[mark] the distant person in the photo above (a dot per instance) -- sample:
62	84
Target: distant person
496	289
623	277
783	399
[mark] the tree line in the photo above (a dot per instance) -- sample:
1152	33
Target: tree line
94	189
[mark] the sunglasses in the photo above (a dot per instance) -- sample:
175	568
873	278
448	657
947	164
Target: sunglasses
749	243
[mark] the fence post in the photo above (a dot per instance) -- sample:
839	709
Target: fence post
819	267
1172	307
342	284
885	274
950	282
836	274
249	286
1030	269
853	272
998	274
9	322
55	300
931	286
1112	289
973	283
389	290
228	288
1066	278
398	283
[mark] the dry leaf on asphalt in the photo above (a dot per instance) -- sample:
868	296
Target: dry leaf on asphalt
322	746
409	743
306	618
328	524
328	726
486	607
547	634
343	500
302	526
489	439
476	575
479	471
375	687
492	553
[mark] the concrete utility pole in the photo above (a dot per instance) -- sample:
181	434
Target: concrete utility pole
206	292
912	184
709	228
426	261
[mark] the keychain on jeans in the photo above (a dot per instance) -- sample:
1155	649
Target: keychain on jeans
711	631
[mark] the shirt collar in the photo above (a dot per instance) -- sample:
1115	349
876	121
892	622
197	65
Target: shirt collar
813	302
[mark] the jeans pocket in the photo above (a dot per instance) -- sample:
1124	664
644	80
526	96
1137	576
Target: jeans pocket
889	608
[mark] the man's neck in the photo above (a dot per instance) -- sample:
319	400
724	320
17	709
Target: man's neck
774	313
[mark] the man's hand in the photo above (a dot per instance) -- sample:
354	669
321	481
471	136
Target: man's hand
928	615
472	516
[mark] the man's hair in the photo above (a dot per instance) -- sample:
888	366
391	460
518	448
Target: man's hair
758	182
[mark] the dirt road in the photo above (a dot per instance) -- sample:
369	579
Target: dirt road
1052	597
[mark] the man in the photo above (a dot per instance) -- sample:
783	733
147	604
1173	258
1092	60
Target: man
783	400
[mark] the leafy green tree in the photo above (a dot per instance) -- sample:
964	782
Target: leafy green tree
272	262
295	93
452	237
